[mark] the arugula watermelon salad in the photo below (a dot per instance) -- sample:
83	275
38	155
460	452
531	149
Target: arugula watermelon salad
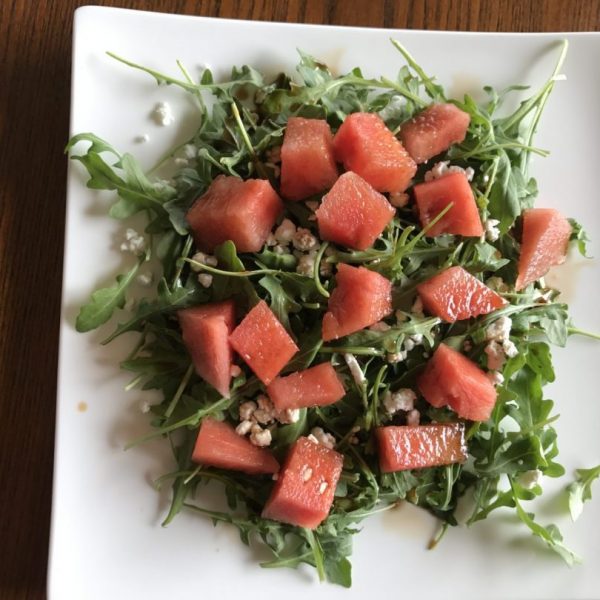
348	307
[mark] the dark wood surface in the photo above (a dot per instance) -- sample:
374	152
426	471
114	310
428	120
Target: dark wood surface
35	46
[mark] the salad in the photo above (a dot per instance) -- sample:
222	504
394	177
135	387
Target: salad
346	304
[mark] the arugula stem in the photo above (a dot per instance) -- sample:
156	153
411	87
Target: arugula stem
577	331
238	119
216	271
317	551
180	390
358	350
184	254
316	274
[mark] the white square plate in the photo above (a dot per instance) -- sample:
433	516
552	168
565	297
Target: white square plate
107	542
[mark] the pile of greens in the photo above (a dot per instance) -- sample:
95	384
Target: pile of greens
241	121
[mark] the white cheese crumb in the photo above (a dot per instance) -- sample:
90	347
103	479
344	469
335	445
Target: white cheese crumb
181	162
259	436
495	377
142	139
160	185
417	307
134	242
399	199
203	259
307	473
235	371
163	114
400	316
530	479
403	399
247	410
408	345
271	240
413	417
311	438
396	357
443	168
279	249
499	330
322	437
288	415
265	413
145	406
355	370
497	284
312	205
304	240
284	234
275	476
145	279
244	427
324	485
417	338
492	233
495	356
190	151
205	280
306	264
509	348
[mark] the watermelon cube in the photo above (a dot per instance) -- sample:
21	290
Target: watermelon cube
451	379
303	493
263	343
205	331
231	209
544	244
419	446
218	445
353	213
307	162
434	130
454	295
361	298
366	146
433	196
317	386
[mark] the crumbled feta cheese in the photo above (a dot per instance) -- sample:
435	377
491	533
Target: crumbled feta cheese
163	114
492	233
499	330
486	178
324	485
495	356
509	348
134	242
304	240
355	429
235	371
396	357
392	107
145	406
438	170
265	413
279	249
190	151
259	436
142	139
380	326
413	417
181	162
275	476
160	185
401	316
469	173
467	345
312	205
306	264
271	240
417	338
244	427
203	259
288	415
403	399
495	377
417	307
497	284
205	280
324	268
145	279
408	345
307	473
247	410
399	199
323	438
284	234
311	438
529	479
355	370
274	154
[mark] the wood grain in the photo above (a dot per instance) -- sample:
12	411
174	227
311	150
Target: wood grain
35	45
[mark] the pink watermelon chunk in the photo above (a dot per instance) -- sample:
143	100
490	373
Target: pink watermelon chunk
353	213
218	445
366	146
454	295
433	196
303	493
317	386
205	331
434	130
419	446
451	379
544	244
263	343
231	209
361	298
307	162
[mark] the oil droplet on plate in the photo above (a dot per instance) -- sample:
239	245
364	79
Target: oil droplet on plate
82	407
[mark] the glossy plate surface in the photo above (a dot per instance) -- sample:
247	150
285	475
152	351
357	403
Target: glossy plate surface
106	536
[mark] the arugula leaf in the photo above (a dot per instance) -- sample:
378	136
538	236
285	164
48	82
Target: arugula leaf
581	490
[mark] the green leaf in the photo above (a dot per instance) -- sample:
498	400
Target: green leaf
580	490
281	303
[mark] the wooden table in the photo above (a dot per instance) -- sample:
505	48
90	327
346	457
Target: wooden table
35	46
